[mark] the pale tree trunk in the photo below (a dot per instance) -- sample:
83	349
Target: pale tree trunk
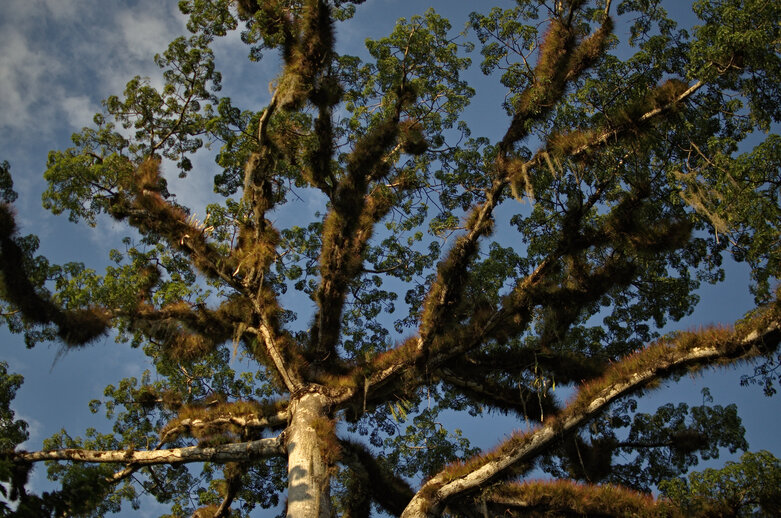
308	493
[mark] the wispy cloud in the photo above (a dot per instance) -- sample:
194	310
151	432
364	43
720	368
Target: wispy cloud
146	32
79	110
26	76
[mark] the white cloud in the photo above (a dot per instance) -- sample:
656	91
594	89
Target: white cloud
25	80
64	9
144	33
107	231
197	189
80	110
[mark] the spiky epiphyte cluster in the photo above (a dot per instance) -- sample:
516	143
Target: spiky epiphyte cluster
306	55
218	421
561	60
564	498
74	327
146	209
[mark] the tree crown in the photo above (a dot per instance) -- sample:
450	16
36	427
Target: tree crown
447	264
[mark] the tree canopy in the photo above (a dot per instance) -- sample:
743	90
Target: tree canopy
376	259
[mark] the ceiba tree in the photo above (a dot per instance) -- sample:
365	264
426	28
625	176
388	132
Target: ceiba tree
442	270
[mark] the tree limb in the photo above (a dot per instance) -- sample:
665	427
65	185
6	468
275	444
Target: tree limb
349	225
233	452
246	422
686	350
388	490
266	334
150	213
530	404
74	327
561	498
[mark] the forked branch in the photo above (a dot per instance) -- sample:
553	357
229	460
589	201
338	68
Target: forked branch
686	350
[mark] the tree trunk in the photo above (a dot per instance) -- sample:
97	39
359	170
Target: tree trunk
308	472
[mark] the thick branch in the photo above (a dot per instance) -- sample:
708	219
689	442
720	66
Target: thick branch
534	405
271	341
564	498
186	330
615	133
150	213
410	363
349	225
251	422
687	350
233	474
233	452
388	490
74	327
596	139
562	60
565	366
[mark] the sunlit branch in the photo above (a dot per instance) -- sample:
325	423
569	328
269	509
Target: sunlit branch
408	363
664	358
146	210
349	225
561	62
122	475
270	340
250	422
599	139
233	452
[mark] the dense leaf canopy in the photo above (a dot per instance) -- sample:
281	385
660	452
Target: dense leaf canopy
376	258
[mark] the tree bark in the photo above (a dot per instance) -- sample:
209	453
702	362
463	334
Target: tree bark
631	374
233	452
308	470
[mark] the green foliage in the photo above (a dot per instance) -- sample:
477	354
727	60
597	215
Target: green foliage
425	447
6	183
750	487
661	445
374	246
12	433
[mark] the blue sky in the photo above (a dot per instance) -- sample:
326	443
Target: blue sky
61	57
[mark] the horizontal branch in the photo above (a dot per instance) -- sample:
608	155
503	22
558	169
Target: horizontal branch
685	350
245	422
598	139
563	498
614	133
233	452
